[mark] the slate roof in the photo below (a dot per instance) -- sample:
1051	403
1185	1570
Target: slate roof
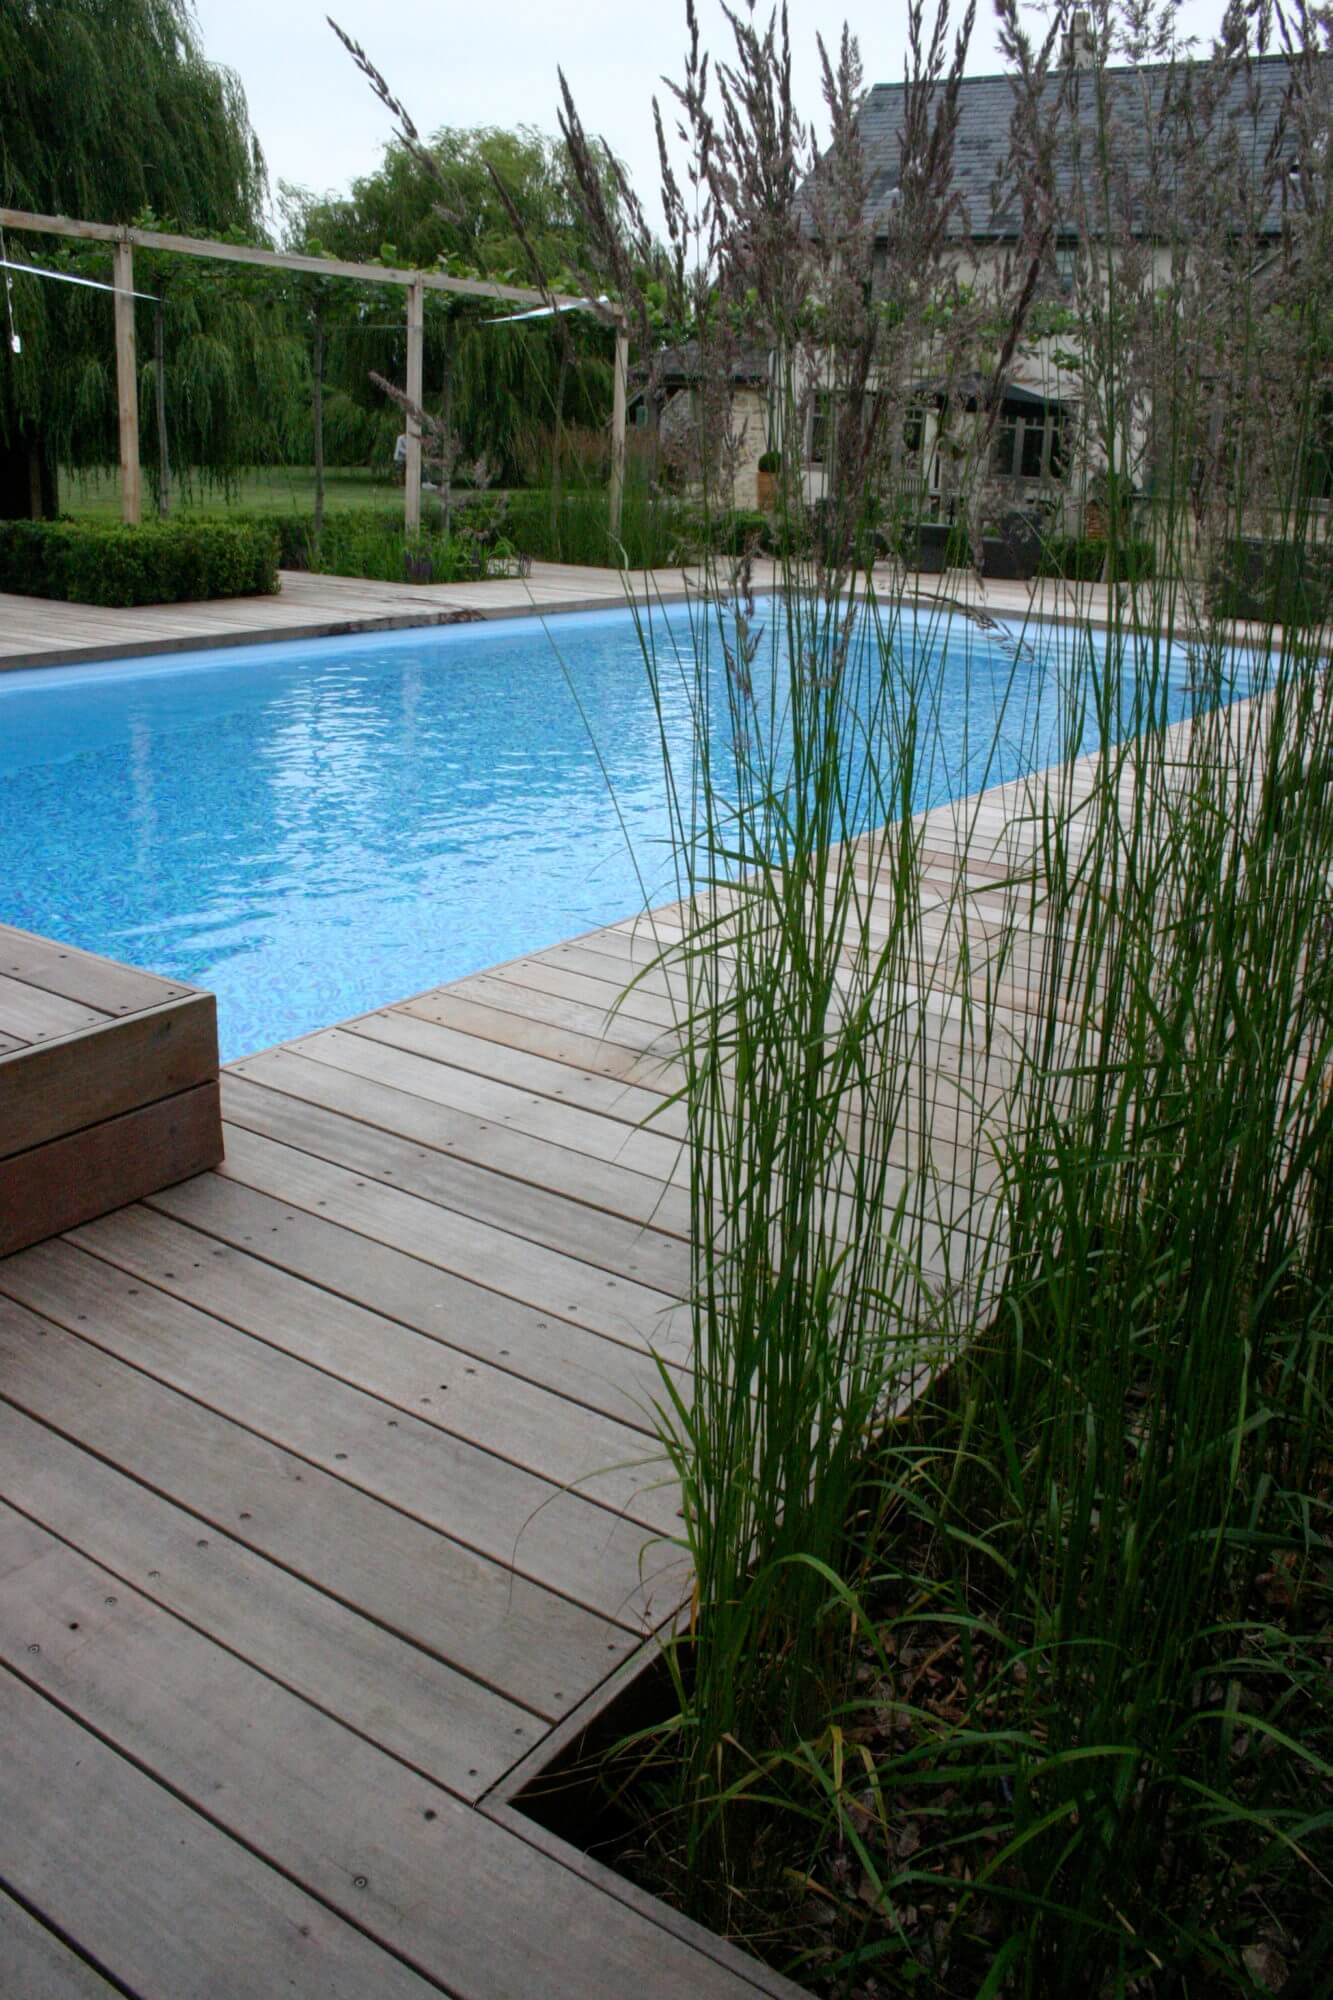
1140	99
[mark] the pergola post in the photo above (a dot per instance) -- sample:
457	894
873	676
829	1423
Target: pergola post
616	495
415	343
127	385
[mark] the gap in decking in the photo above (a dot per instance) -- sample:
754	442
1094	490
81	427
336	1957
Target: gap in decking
566	1795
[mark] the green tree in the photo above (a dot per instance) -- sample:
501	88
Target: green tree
520	395
109	111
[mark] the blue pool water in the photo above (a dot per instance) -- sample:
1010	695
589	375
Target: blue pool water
315	829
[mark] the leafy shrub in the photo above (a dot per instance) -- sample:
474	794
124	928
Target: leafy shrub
770	461
739	529
293	533
789	535
570	527
366	542
161	562
1082	559
734	531
484	517
1285	583
31	558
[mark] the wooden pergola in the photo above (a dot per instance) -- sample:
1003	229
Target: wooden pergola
125	241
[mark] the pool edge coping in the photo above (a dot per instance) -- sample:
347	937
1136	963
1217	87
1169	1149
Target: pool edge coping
1072	612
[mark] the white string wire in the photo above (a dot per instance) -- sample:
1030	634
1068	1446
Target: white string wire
64	277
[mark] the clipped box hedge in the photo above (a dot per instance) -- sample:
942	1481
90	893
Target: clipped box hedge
162	562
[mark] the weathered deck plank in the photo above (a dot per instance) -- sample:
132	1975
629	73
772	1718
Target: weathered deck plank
617	1380
388	1690
430	1474
605	1139
507	1261
556	1220
523	1069
108	1085
40	631
35	1014
82	976
495	1407
517	1156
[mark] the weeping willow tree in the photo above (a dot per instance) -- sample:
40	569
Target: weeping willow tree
519	396
109	111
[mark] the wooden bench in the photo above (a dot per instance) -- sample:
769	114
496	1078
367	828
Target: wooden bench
108	1086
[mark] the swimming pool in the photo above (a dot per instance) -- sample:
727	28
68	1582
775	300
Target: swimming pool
314	829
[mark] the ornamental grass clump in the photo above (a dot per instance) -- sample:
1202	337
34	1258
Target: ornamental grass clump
1006	1450
1002	962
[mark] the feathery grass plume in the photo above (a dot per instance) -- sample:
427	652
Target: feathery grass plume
822	1261
1002	970
1005	1456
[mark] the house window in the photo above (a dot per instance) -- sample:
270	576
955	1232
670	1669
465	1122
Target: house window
1004	447
821	426
1029	443
1057	458
914	432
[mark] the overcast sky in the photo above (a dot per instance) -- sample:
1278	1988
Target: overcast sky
494	62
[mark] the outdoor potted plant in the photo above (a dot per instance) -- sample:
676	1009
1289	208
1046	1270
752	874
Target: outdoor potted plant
766	483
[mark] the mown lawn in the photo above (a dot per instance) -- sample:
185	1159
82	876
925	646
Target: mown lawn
266	489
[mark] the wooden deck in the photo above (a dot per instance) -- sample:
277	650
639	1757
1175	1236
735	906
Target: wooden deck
328	1492
330	1500
329	1497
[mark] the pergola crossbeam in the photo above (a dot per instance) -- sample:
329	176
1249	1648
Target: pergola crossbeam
284	260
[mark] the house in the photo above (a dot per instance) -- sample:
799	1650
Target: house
1042	456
